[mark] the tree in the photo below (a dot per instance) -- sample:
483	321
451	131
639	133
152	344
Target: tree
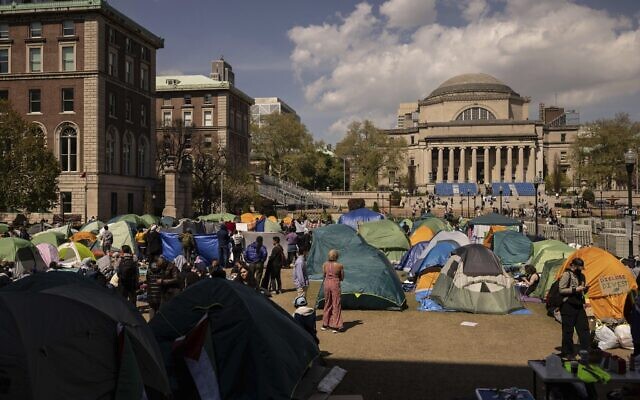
599	153
556	179
173	145
30	171
370	153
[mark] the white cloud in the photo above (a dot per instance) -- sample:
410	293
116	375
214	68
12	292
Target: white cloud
409	13
362	66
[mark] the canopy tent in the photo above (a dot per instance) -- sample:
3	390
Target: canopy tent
51	237
369	282
247	331
512	247
422	234
608	279
220	217
494	219
434	223
474	281
437	256
150	219
413	256
545	250
547	277
23	254
48	252
64	337
355	217
72	254
386	236
454	237
134	219
93	227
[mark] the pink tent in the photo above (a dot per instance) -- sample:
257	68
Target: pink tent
48	252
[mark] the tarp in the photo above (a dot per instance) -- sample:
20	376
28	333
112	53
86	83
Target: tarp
72	254
438	255
545	250
386	236
456	237
512	247
53	238
494	219
206	246
355	217
369	280
48	252
259	227
608	279
197	227
547	277
422	234
167	221
413	256
23	253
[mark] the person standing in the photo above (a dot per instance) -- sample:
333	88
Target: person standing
107	239
154	291
333	275
223	245
300	278
292	245
255	255
188	244
572	288
238	245
128	274
154	243
169	282
141	241
272	279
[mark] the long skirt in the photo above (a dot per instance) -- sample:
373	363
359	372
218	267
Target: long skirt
332	314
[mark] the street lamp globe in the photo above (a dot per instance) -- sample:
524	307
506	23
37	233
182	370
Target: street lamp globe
630	158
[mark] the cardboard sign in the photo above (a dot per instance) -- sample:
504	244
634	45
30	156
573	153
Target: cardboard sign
614	284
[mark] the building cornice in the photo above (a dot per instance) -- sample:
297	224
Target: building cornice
214	85
472	97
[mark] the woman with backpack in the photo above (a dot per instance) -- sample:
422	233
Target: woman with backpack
572	287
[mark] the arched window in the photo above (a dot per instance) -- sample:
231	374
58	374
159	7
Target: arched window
475	113
110	156
68	148
127	149
142	158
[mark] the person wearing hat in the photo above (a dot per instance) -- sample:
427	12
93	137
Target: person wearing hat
305	317
154	243
573	288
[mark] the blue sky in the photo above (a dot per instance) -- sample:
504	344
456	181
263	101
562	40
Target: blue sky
339	60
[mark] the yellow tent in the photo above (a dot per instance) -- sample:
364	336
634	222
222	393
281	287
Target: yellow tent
287	220
489	238
272	218
422	234
247	217
427	279
608	279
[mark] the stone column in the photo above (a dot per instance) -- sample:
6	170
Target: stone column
428	167
498	170
170	189
531	167
474	165
520	170
508	171
462	168
487	176
450	174
440	173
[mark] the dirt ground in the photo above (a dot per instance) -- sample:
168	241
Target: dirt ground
425	355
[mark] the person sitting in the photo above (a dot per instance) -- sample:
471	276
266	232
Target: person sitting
530	280
245	277
305	317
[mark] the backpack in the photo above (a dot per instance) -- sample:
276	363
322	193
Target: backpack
127	270
554	298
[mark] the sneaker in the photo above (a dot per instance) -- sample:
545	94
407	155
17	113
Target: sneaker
335	331
324	328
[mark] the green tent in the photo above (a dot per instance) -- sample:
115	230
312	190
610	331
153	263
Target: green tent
64	229
434	223
386	236
547	277
23	253
369	280
407	222
494	219
123	233
51	237
150	219
94	227
545	250
4	228
270	226
221	217
134	219
512	247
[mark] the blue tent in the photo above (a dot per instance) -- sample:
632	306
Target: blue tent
355	217
206	246
512	247
438	255
413	256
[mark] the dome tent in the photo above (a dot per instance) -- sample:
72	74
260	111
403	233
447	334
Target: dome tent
355	217
51	237
546	250
512	247
413	257
72	254
23	253
454	237
386	236
422	234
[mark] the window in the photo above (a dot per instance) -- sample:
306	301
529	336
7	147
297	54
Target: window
69	149
127	45
34	101
35	59
67	100
475	113
208	141
112	35
563	137
112	67
110	159
126	154
4	31
68	28
208	98
4	60
143	115
166	100
130	203
187	99
35	30
142	158
207	118
232	119
187	117
4	94
128	71
166	118
563	156
65	198
68	58
112	104
114	203
127	110
144	53
413	139
144	77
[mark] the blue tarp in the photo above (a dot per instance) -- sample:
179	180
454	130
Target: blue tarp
354	217
438	255
412	257
206	246
260	225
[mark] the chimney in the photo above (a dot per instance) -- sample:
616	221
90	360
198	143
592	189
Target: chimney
222	71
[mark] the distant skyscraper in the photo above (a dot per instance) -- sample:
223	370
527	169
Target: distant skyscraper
269	105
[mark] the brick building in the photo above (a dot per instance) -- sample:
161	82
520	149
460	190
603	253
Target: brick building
85	74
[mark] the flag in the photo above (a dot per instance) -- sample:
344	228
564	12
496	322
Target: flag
129	384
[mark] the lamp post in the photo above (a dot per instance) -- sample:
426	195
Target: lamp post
474	203
601	205
630	159
468	199
500	199
536	184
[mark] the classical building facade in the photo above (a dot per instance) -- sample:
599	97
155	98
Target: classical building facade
474	131
84	73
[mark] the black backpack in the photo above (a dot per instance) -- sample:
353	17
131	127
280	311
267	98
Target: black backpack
554	298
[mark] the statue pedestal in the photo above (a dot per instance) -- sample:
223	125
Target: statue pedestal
170	191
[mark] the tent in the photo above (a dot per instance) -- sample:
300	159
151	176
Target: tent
123	233
386	236
247	333
547	277
271	226
427	278
64	229
4	228
33	229
64	337
369	283
355	217
197	227
474	281
512	247
287	220
422	234
413	256
437	256
150	219
407	222
23	253
434	223
167	221
84	237
93	227
221	217
545	250
134	219
494	219
72	254
608	279
248	217
48	252
272	218
454	237
488	239
51	237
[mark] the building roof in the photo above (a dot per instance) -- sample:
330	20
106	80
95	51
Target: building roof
184	83
468	83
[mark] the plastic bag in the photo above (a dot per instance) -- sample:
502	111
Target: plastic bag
623	333
607	339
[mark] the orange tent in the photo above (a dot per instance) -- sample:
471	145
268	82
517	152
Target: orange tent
247	218
83	236
422	234
428	278
489	238
287	220
608	279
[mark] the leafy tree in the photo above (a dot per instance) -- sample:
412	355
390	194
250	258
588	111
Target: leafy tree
588	195
30	171
599	153
556	179
370	152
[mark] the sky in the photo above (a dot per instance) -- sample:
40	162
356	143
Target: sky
336	61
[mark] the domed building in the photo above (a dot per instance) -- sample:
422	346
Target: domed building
474	130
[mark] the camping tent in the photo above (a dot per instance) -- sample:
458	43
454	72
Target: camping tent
459	238
428	277
488	239
512	247
64	337
64	229
422	234
474	281
150	219
220	217
72	254
245	331
93	227
413	256
270	226
386	236
407	222
608	279
248	217
51	237
23	253
84	237
369	282
48	252
547	277
355	217
438	255
434	223
482	224
134	219
545	250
